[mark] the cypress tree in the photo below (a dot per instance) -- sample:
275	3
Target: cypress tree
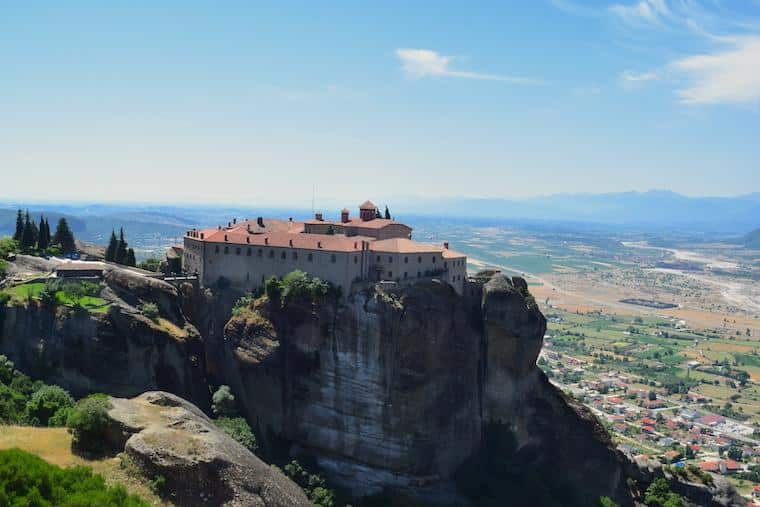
112	246
378	214
129	260
48	238
121	248
387	213
19	227
42	241
64	237
28	237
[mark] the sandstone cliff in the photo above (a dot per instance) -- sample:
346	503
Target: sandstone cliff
169	437
402	387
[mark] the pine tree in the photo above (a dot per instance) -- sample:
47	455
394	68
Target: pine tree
64	237
113	244
387	213
129	260
121	248
42	237
19	227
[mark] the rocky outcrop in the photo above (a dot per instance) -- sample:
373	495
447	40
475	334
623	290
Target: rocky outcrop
120	351
397	386
169	437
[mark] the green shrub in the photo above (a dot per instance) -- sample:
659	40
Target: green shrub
151	264
45	402
157	484
4	298
27	480
299	285
89	420
314	485
12	405
242	304
150	310
239	429
223	402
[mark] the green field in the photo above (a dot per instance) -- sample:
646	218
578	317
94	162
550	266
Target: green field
22	293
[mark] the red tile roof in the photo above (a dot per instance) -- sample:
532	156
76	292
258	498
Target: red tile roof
368	205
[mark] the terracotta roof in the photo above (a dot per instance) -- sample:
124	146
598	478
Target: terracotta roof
335	243
403	245
375	223
710	466
368	205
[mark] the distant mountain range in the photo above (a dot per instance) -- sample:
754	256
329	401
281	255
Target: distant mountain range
653	210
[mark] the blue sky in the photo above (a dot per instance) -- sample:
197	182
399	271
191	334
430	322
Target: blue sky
248	102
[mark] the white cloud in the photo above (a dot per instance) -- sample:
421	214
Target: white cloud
420	63
647	11
630	79
731	76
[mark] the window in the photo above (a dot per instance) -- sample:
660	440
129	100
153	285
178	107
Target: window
226	250
356	259
295	256
310	257
378	258
419	260
405	275
419	275
433	259
248	253
260	253
390	274
390	259
445	264
237	251
333	258
216	249
282	255
271	254
406	260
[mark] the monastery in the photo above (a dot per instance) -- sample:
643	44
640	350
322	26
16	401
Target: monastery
354	249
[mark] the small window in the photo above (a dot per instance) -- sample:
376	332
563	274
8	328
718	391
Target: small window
310	257
378	258
260	253
248	253
216	249
226	250
419	274
356	259
390	258
271	254
419	260
390	274
283	255
333	258
406	260
405	275
433	260
445	264
295	256
237	251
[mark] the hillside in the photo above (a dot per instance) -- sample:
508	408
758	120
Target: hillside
752	239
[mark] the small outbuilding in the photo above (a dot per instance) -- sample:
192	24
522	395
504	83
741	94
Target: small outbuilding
79	270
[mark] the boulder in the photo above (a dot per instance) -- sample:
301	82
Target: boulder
203	466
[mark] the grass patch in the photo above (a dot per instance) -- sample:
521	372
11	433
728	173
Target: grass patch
20	294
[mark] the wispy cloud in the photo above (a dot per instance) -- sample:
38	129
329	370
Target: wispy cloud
630	79
421	63
644	11
724	76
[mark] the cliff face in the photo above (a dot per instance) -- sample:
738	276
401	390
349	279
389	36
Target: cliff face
399	387
119	352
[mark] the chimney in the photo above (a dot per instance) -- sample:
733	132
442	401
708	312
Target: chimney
290	242
355	245
234	220
229	224
266	241
318	216
247	239
249	228
225	237
201	235
319	244
260	221
446	245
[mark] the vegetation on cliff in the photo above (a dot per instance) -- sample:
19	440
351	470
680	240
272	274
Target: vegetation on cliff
299	286
26	479
88	422
24	401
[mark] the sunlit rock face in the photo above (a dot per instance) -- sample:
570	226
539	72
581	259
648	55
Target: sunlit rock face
395	386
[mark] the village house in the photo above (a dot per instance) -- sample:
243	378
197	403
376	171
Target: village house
368	248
